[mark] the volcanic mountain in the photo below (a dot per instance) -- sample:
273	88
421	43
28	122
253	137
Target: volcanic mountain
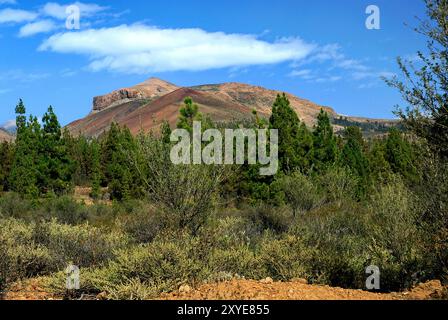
5	136
146	105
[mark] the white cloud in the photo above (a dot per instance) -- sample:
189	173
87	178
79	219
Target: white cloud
313	76
143	49
33	28
328	79
17	16
7	1
371	74
301	73
57	11
22	76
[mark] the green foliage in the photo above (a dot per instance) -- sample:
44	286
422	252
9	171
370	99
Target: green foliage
166	132
41	163
23	176
300	192
55	167
185	192
354	158
6	159
188	113
424	86
338	185
400	156
95	174
35	249
123	181
295	141
379	167
325	149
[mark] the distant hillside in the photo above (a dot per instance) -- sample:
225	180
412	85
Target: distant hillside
369	127
5	135
146	105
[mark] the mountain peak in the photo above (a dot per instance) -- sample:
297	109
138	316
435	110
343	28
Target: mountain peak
146	105
156	81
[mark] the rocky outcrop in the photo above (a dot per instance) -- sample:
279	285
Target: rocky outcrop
150	89
115	98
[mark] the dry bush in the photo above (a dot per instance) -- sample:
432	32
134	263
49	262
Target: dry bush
186	192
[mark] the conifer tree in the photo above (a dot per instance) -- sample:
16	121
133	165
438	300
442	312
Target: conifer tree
122	179
353	157
95	174
6	159
295	140
399	155
188	113
324	142
56	166
379	167
23	177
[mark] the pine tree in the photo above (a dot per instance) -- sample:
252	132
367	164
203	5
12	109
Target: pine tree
399	155
95	173
24	171
324	142
353	157
188	113
379	167
295	140
56	167
121	178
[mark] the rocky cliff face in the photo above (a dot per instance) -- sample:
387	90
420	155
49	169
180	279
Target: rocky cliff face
149	89
117	97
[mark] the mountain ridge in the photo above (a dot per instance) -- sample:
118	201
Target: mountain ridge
146	105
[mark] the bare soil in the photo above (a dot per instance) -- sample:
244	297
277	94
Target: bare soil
254	290
296	290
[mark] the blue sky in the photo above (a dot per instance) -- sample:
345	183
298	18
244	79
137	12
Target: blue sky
319	50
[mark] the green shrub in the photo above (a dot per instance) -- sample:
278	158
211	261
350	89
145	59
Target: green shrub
397	242
65	209
12	205
338	185
300	192
240	260
165	264
35	249
20	256
286	258
145	225
81	245
266	217
228	232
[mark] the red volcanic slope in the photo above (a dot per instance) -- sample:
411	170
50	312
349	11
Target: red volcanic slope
145	106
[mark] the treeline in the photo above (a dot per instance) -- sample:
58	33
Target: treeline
46	160
372	127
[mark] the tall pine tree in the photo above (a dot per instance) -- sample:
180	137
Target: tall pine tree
24	171
295	140
325	149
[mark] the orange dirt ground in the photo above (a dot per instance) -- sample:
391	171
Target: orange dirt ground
256	290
